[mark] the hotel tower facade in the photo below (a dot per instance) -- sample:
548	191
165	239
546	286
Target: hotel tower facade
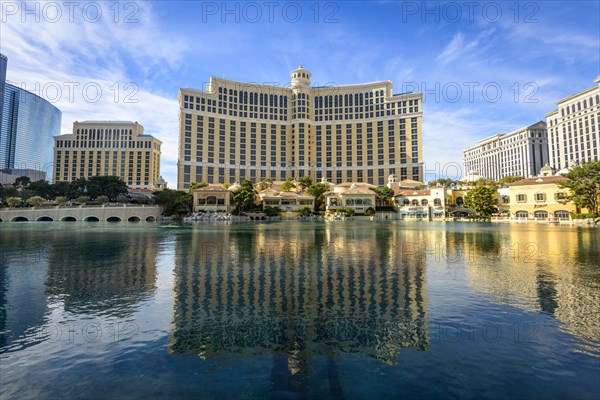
361	133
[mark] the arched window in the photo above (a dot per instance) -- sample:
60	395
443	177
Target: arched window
561	214
437	202
424	202
211	200
522	214
415	202
459	201
349	202
366	202
541	214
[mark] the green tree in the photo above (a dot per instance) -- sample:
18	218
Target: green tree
35	201
264	184
583	182
288	185
510	179
14	201
41	188
244	197
110	186
382	194
482	200
442	181
305	211
272	211
305	182
370	211
77	187
317	190
22	182
173	202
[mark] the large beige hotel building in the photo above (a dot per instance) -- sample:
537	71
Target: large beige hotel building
108	148
235	130
574	128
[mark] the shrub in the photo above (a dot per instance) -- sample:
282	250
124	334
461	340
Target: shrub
370	211
60	200
14	201
122	199
102	199
35	201
83	199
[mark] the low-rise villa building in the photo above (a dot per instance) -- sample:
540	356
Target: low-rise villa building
356	196
286	200
213	198
422	204
540	199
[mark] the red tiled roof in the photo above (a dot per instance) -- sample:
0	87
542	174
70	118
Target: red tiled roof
539	180
407	193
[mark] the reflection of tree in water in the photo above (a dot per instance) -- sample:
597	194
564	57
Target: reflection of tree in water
108	272
298	294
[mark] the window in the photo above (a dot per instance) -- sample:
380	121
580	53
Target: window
424	202
560	196
505	199
437	202
540	197
521	198
522	214
541	214
561	214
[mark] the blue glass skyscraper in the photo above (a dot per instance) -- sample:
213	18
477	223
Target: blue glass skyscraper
27	129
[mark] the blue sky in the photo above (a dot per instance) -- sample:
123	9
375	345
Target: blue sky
486	68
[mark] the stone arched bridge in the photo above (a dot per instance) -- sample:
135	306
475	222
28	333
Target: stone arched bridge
108	213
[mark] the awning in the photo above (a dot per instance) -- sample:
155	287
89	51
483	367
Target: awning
438	211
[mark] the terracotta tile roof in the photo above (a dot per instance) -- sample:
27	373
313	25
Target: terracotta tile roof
539	180
408	193
211	188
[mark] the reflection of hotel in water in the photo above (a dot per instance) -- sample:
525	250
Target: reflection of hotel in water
552	273
314	291
110	272
105	274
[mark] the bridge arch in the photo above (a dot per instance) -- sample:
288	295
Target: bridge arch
133	219
68	218
19	219
45	219
91	218
148	219
113	218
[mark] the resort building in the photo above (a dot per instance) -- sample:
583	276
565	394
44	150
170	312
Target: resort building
540	199
356	196
236	130
422	204
215	198
286	201
108	148
28	124
519	153
573	128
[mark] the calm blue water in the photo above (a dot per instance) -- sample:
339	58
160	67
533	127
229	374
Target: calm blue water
346	310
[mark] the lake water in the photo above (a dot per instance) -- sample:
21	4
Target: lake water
295	310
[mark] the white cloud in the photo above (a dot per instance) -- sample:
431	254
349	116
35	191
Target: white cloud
105	54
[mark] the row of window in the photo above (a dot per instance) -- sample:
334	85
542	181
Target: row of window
540	197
